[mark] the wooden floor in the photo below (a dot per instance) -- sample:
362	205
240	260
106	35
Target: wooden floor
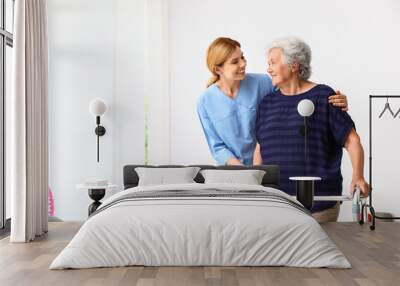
374	255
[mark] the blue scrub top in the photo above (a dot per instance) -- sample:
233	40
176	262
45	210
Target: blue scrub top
229	124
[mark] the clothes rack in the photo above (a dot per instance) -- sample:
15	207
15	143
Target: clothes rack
369	205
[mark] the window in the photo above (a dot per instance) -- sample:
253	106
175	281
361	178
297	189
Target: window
6	44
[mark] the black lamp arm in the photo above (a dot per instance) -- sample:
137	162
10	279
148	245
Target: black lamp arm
99	131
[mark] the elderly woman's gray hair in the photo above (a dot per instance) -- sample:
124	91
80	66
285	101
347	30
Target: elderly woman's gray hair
295	51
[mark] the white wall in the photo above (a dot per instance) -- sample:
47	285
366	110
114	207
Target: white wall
93	53
125	51
355	49
157	82
129	84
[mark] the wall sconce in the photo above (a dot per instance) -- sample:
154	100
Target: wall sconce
97	107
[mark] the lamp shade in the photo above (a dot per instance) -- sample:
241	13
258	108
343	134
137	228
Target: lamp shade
97	107
305	107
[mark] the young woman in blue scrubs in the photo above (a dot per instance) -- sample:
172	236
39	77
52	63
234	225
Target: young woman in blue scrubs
228	107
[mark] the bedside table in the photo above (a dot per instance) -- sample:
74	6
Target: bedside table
96	193
305	190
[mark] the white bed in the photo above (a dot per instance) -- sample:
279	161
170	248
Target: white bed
208	230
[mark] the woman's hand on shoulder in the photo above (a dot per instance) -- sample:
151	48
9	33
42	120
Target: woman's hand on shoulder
339	100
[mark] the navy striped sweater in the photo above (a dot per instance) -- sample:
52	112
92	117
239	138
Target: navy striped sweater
278	132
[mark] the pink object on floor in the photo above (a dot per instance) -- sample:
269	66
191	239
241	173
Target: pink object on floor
51	208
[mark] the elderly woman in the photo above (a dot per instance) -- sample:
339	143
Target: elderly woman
228	107
278	128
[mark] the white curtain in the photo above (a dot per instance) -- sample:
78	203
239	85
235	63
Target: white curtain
28	122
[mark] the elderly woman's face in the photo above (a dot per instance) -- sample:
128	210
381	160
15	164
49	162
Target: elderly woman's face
279	71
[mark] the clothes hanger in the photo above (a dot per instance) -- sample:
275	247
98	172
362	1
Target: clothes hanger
387	107
398	111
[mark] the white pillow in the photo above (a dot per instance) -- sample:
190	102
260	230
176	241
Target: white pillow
248	177
165	176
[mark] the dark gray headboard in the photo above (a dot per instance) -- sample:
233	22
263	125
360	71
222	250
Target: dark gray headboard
270	179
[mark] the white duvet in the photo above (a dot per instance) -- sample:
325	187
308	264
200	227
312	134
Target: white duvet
200	231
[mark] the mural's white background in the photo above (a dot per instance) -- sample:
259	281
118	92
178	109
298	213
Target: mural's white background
97	49
130	51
